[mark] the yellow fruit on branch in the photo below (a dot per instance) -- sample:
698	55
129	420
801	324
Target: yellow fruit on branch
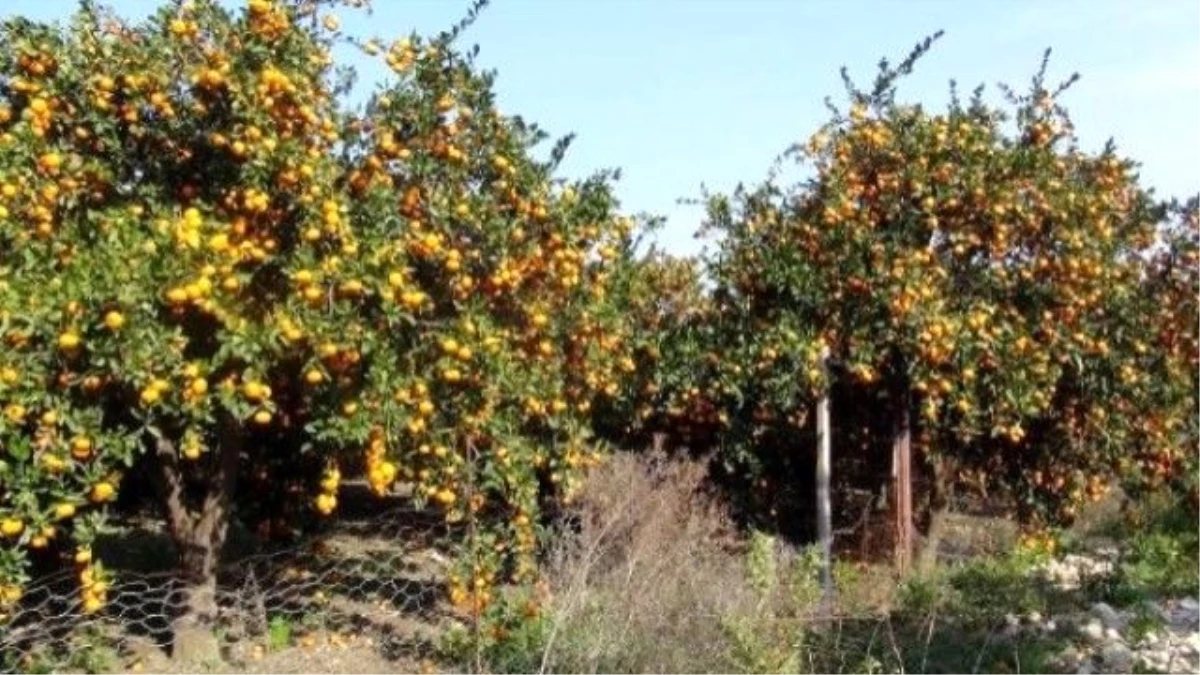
198	386
11	527
69	341
102	492
81	448
92	604
325	503
255	391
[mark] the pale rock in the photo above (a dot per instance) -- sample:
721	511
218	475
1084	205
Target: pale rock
1192	642
1092	630
1069	658
1187	614
1108	616
1117	657
1154	661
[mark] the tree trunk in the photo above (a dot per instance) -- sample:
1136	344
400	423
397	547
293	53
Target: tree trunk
902	477
939	507
193	640
658	442
199	531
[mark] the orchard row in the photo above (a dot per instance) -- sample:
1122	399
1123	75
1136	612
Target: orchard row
218	275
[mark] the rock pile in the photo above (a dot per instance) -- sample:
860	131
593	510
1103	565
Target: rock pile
1163	636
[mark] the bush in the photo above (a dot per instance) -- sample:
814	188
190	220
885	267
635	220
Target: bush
1159	553
643	573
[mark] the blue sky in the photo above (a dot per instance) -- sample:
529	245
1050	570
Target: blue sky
683	92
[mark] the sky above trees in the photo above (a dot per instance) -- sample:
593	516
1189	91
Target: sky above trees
680	93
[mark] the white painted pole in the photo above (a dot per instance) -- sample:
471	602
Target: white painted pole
824	512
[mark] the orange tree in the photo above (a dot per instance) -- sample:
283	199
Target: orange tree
1166	451
666	310
971	269
212	265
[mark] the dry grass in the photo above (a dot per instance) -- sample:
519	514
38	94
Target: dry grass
651	575
654	577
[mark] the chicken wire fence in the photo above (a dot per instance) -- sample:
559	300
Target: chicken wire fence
375	584
370	596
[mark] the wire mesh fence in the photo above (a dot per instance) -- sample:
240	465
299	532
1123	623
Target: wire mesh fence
645	573
367	591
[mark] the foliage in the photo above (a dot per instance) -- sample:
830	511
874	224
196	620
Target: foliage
974	266
1160	552
666	307
513	635
212	265
279	632
1169	434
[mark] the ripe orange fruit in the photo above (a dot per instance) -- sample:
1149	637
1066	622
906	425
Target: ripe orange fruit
102	492
325	503
114	320
50	161
191	452
255	391
81	448
10	595
11	527
198	386
69	341
92	604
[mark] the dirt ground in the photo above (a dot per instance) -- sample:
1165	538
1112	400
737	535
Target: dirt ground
321	652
